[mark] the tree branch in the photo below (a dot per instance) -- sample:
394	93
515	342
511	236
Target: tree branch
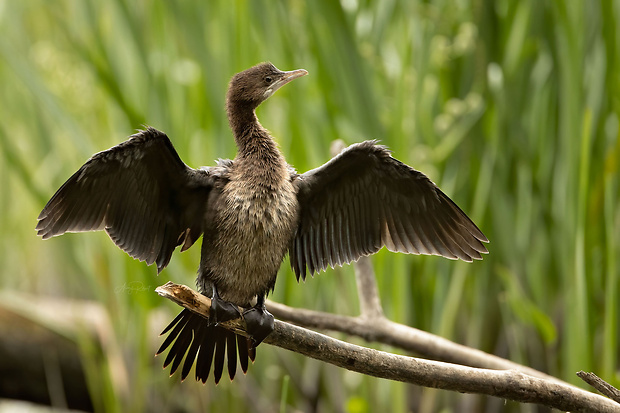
508	384
373	326
407	338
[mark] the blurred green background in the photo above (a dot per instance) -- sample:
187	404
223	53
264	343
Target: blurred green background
512	108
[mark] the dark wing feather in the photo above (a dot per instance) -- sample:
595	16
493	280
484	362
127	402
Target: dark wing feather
140	192
364	199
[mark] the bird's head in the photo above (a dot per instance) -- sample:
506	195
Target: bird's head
254	85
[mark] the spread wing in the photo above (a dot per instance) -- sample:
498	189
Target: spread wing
140	192
362	200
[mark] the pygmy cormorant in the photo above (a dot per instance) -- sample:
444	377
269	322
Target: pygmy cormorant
251	211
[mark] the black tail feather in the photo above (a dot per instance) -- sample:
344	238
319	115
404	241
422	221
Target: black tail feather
178	327
192	353
172	324
205	359
243	344
231	340
192	337
251	350
220	354
179	348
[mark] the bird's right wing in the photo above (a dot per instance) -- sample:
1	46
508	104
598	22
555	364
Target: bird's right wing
364	199
140	192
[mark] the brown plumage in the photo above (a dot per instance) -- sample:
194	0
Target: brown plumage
251	211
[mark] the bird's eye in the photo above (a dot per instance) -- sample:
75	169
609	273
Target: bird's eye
268	79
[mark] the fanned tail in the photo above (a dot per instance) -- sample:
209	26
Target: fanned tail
191	336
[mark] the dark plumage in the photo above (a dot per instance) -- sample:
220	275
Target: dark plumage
251	211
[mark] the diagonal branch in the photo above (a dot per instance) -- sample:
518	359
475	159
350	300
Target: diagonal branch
385	331
372	326
508	384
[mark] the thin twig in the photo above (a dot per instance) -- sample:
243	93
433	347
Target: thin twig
600	385
508	384
370	303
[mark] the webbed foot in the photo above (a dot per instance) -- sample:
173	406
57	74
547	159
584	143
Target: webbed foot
222	310
259	322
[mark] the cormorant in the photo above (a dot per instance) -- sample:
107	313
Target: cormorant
251	211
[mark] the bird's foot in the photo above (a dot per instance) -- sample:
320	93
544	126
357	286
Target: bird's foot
222	311
259	323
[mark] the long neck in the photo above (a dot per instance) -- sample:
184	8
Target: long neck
254	143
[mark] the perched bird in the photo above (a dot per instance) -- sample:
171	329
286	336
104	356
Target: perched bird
251	211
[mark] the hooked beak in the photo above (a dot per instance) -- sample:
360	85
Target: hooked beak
286	78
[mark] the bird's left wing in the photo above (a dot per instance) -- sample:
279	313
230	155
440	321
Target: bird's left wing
140	193
364	199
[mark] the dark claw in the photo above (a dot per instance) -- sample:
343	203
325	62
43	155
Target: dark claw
259	323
